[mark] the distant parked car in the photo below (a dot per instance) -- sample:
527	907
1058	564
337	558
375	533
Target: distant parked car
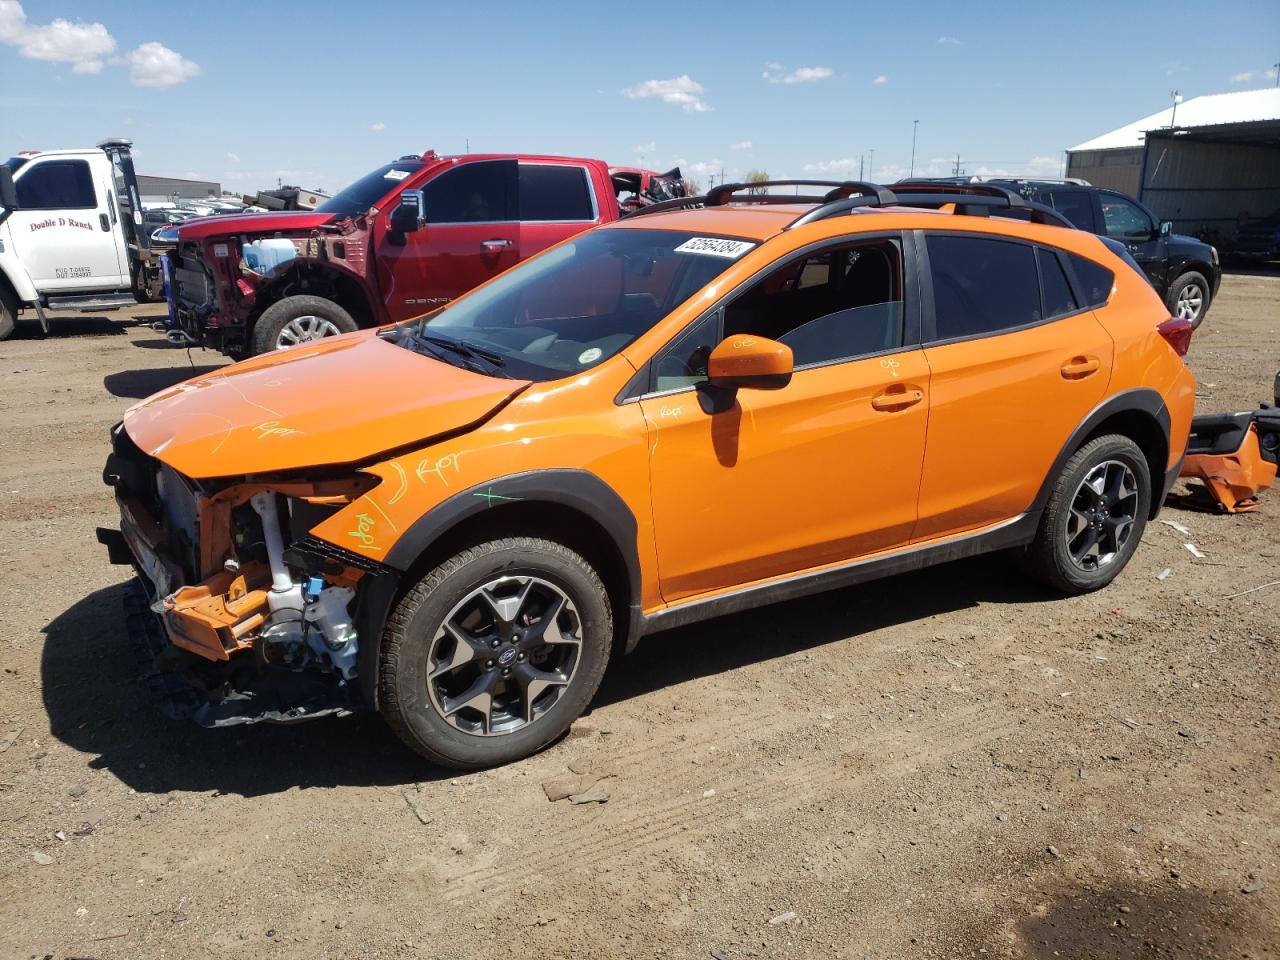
1257	239
1183	269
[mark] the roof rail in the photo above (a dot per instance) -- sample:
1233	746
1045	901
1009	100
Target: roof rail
842	196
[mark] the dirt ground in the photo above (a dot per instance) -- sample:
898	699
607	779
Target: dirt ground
949	764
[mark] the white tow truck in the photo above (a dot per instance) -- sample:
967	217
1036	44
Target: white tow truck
71	234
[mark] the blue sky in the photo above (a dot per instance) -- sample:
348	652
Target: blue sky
317	93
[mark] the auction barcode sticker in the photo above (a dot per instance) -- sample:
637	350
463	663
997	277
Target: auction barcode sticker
715	247
395	175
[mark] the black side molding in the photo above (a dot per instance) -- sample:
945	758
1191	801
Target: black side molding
1021	530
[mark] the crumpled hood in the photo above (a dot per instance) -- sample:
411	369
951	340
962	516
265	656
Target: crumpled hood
334	401
220	225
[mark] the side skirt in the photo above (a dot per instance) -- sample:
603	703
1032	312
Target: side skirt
1012	533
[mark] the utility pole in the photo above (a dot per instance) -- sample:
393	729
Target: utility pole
860	165
467	141
915	125
1276	66
956	171
1176	97
871	164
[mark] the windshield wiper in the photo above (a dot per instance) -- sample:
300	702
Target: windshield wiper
483	361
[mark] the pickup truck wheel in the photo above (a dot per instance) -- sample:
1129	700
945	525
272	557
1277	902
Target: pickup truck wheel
495	652
8	318
299	319
1189	297
1096	513
144	292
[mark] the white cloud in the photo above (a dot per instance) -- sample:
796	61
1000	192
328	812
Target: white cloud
88	47
83	45
1035	167
881	80
949	41
1244	76
702	169
233	157
645	148
740	145
774	73
155	65
682	90
377	126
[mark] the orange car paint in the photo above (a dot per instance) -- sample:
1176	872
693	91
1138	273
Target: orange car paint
929	443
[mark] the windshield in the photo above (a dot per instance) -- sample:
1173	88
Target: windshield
369	189
577	304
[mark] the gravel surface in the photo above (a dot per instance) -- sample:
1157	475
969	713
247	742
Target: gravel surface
948	764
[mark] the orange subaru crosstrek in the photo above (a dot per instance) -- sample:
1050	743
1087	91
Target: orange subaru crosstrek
722	402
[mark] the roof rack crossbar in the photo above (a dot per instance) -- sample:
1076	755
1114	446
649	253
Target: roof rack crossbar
838	189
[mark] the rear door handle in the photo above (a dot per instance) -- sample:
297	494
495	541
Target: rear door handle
495	246
897	399
1077	368
102	219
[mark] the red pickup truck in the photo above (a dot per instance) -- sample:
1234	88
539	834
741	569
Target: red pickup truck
399	242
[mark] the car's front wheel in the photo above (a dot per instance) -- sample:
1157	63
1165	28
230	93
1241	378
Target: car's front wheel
495	652
1095	516
1189	298
299	319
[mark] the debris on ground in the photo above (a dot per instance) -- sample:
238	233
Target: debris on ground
782	918
42	858
10	738
597	794
1164	574
1261	586
414	800
1185	531
1195	551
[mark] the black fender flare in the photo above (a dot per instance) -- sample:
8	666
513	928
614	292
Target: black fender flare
578	490
1142	400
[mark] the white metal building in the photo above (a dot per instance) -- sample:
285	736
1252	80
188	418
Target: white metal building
1206	164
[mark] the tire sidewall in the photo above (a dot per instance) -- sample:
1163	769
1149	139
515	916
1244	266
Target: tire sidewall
267	330
420	719
1092	454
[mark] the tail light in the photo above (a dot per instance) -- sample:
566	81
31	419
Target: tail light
1178	334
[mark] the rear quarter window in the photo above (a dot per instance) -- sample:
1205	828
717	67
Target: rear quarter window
1095	280
554	193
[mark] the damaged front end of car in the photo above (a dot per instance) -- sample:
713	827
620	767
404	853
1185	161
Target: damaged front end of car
238	615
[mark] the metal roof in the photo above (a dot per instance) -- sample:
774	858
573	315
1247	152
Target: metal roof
1213	110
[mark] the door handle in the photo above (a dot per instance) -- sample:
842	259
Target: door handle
897	399
102	219
495	246
1077	368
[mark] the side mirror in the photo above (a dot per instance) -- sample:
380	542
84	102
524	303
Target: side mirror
1166	227
8	192
410	214
755	363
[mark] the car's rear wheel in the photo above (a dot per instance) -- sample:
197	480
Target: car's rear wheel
495	652
1189	297
299	319
1095	516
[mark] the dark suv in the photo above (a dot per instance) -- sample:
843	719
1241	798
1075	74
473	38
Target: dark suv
1183	269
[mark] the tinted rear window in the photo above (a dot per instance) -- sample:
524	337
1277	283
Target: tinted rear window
1058	298
554	193
982	286
1075	205
1096	280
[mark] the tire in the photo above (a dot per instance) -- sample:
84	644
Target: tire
432	684
1183	301
8	318
322	317
142	293
1073	514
